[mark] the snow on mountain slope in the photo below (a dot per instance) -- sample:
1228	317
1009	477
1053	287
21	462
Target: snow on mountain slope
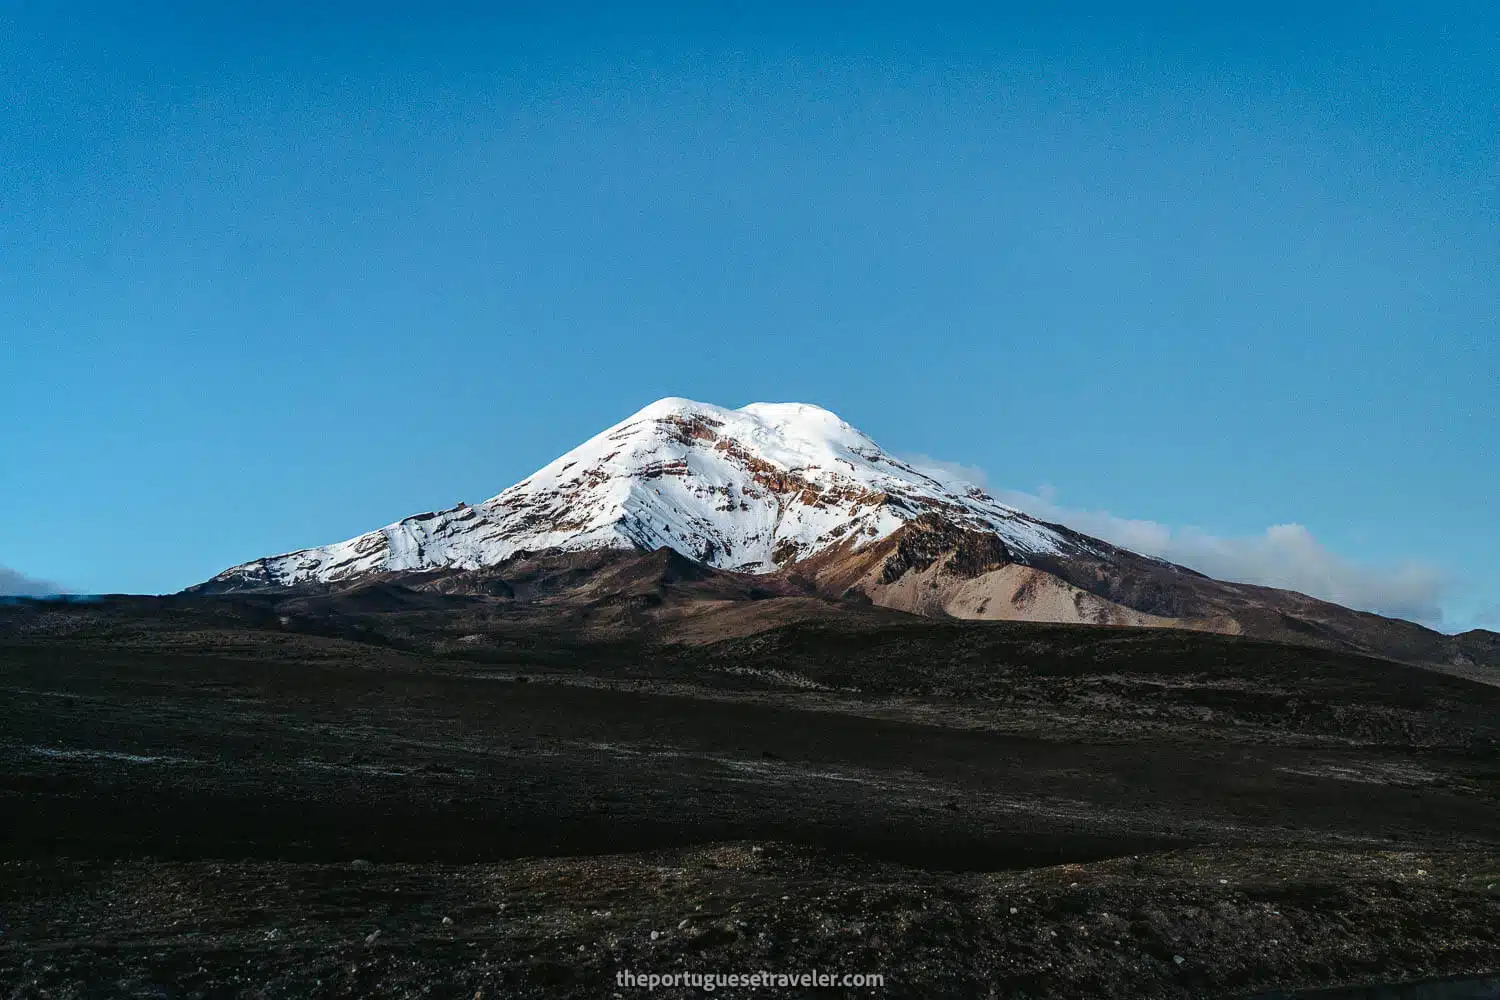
749	490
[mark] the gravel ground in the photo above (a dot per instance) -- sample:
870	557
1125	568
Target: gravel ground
254	812
1204	922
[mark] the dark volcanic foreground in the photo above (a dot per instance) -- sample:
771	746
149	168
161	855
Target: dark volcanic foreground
1236	919
200	798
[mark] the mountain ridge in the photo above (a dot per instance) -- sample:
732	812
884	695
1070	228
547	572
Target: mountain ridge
747	490
789	499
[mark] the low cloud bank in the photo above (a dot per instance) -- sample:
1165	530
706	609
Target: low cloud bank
17	584
1284	555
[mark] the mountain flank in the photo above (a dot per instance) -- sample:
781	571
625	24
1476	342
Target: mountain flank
685	511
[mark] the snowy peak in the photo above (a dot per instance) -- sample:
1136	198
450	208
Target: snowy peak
750	490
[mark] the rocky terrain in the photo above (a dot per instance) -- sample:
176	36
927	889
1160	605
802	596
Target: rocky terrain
1183	924
390	791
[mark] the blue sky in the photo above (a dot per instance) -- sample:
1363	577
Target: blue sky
271	278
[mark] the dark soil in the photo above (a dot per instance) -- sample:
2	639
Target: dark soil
215	802
1208	922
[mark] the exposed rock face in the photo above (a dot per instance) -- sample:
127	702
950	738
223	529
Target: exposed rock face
930	538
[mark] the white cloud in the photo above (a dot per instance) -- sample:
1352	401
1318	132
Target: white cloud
15	584
1284	555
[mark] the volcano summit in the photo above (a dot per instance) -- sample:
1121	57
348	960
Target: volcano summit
748	490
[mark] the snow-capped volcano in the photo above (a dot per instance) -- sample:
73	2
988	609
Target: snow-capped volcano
749	490
823	516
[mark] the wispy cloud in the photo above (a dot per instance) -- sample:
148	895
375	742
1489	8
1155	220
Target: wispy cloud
16	584
953	473
1284	555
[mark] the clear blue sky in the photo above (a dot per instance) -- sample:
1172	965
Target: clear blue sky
271	278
